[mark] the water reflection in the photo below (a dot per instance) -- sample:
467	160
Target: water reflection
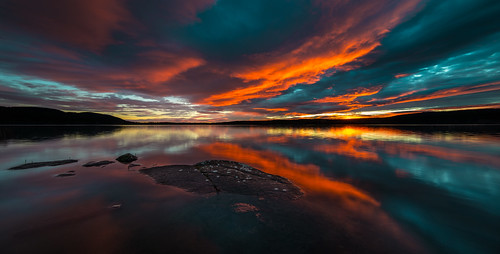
307	176
379	185
40	133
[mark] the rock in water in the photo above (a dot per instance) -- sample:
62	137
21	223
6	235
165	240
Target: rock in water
42	164
68	173
97	163
126	158
218	176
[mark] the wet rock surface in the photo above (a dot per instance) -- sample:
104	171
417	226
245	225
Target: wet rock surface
126	158
42	164
218	176
97	163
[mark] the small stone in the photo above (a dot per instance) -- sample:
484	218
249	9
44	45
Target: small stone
115	206
126	158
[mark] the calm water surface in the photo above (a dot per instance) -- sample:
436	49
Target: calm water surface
368	189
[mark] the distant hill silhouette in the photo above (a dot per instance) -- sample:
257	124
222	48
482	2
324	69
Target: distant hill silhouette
36	115
478	116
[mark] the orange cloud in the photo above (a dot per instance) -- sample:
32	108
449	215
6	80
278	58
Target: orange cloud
456	91
272	109
243	113
453	92
84	23
335	47
147	72
349	99
165	65
397	96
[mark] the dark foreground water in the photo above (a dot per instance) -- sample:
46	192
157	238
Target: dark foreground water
368	190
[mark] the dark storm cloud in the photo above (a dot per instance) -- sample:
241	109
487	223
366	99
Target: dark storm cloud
232	29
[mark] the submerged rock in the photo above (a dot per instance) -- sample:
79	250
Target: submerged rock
132	165
126	158
216	176
43	164
115	206
244	208
68	173
97	163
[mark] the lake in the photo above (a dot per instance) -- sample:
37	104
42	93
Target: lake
368	189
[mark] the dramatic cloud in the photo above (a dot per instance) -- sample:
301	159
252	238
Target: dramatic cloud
208	60
346	32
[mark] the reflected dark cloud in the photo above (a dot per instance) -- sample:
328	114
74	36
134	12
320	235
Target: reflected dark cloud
41	133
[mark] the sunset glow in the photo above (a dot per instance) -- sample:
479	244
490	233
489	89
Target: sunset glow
213	61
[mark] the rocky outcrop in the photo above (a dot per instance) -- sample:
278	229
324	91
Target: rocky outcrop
42	164
217	176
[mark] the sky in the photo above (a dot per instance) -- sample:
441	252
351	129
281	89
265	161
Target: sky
225	60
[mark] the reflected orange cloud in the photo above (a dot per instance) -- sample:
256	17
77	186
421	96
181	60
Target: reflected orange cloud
88	225
352	148
335	47
346	133
364	142
307	176
410	151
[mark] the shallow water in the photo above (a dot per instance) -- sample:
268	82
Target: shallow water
368	189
